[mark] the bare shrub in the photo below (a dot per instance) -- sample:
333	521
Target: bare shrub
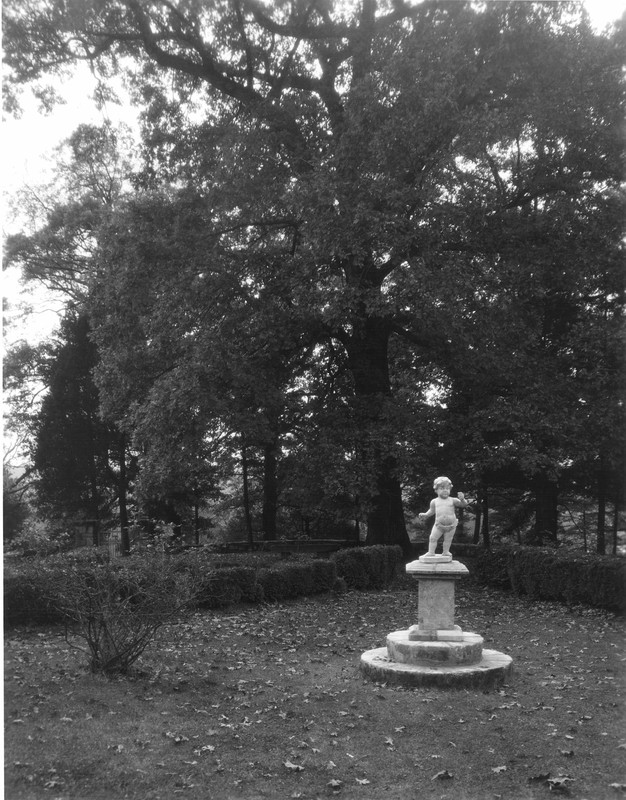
112	610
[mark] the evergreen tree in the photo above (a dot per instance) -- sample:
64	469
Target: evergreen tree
74	452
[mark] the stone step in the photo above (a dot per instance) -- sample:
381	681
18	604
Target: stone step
492	670
404	650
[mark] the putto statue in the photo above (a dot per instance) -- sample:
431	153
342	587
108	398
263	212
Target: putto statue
443	507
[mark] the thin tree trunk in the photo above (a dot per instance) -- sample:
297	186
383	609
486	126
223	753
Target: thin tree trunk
485	521
270	489
246	495
196	520
477	521
601	539
122	498
546	508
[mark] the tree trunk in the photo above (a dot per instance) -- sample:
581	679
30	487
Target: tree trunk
368	361
270	489
484	502
601	538
246	495
94	491
546	493
602	481
122	498
196	520
477	521
95	532
385	520
94	505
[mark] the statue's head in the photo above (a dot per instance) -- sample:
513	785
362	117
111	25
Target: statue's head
441	482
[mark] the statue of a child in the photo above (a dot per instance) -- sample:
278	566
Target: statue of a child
443	507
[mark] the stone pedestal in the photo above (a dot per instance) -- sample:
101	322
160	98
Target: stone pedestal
437	576
435	651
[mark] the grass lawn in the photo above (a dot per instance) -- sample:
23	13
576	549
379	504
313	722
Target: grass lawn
268	702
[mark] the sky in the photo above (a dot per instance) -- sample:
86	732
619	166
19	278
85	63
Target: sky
28	145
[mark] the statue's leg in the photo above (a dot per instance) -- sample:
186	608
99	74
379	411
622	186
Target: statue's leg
447	541
433	539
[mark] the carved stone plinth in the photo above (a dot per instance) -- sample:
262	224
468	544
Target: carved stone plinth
435	602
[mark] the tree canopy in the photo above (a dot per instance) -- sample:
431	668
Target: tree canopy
343	210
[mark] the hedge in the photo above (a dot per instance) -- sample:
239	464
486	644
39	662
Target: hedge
27	594
228	585
368	567
26	600
547	574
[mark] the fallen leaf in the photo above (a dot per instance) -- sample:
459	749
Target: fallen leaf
206	748
559	784
177	737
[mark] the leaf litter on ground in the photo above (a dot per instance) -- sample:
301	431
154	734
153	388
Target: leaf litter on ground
261	679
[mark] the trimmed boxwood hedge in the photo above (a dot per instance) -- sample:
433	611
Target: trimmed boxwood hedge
542	573
368	567
548	574
27	596
228	585
26	600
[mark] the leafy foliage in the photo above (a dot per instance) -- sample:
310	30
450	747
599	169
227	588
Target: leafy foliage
74	449
340	203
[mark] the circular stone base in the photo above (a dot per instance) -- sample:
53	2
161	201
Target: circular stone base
490	671
434	653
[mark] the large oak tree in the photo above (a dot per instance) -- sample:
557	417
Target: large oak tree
401	153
